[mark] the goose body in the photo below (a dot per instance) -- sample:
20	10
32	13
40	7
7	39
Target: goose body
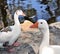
45	48
11	36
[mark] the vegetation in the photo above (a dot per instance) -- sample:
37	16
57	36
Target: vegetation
29	11
3	4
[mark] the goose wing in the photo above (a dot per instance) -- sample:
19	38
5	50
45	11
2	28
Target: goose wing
55	33
56	49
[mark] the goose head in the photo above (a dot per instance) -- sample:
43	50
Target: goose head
41	24
20	12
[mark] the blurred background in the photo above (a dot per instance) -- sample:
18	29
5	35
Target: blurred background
33	9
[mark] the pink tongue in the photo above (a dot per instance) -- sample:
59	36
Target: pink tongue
16	44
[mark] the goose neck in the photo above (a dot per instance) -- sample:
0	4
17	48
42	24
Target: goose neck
45	41
16	19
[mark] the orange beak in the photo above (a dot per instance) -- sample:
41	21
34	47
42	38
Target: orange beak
34	25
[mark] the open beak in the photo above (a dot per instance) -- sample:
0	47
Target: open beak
34	25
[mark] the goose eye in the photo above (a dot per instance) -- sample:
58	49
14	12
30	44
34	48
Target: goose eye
41	22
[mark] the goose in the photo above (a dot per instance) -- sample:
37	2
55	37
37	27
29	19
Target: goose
9	37
45	48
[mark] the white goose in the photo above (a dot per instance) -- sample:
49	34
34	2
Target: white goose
11	36
45	48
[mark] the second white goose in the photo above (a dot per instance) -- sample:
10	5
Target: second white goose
45	48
